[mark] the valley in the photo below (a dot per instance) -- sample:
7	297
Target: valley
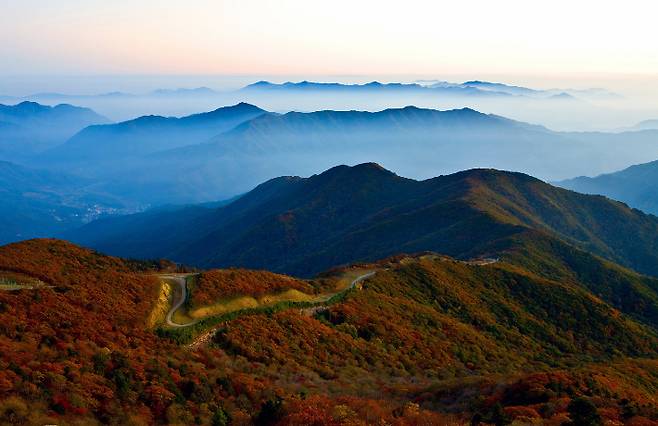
346	213
351	296
186	163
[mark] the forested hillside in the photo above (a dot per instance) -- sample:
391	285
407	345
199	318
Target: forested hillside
424	340
364	213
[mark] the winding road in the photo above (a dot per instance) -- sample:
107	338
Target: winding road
204	338
361	278
181	280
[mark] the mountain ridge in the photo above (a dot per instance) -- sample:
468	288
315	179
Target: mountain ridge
634	185
32	128
151	133
211	163
365	212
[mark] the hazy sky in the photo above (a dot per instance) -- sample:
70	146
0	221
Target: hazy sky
347	37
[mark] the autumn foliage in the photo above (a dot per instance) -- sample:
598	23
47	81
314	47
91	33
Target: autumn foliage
425	341
215	285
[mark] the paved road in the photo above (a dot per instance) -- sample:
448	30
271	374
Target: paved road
204	338
361	278
181	280
483	262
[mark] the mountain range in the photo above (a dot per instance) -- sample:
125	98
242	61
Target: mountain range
196	277
473	88
372	88
129	158
467	88
564	109
28	128
152	161
148	134
636	185
363	213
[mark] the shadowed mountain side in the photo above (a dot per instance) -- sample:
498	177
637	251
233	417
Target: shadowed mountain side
131	159
328	129
29	128
636	186
37	203
415	142
349	214
148	134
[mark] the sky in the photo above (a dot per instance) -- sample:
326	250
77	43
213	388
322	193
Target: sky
550	39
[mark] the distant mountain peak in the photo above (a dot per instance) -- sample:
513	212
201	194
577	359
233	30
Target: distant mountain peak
259	83
30	106
371	166
245	105
468	110
362	167
407	108
563	96
361	212
357	174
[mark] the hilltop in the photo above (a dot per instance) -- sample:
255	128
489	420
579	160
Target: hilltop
148	134
363	213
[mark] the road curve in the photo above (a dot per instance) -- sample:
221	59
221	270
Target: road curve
182	283
204	338
361	278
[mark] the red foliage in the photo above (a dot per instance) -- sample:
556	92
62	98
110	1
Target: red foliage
226	283
79	348
522	413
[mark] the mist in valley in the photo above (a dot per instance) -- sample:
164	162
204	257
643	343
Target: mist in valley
143	143
595	103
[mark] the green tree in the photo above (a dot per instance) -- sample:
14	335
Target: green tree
220	418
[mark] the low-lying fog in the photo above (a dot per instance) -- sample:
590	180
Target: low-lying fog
623	102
